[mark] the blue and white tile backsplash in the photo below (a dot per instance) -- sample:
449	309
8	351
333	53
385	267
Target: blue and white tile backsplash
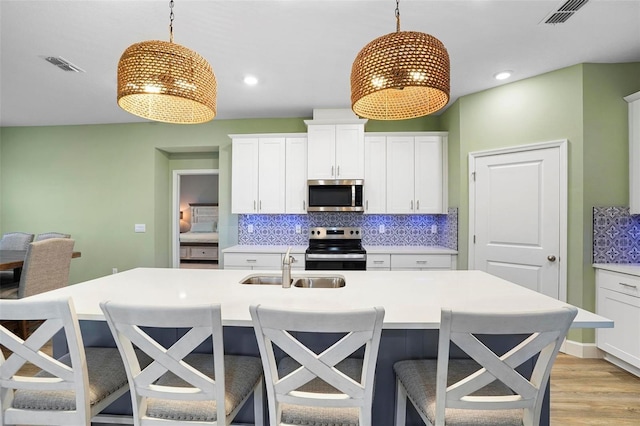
616	235
406	230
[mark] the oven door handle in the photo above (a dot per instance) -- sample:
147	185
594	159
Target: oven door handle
355	256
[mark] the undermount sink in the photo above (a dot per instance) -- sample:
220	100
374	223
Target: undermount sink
301	282
262	279
319	282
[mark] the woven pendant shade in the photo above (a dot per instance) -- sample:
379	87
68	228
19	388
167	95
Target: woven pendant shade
400	75
164	81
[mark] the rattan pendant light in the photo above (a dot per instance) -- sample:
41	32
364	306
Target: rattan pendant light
164	81
400	75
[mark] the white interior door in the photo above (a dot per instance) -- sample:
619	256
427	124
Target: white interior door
517	204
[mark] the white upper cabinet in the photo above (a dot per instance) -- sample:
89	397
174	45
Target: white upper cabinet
634	152
335	151
400	174
417	174
271	175
258	175
296	176
244	175
375	174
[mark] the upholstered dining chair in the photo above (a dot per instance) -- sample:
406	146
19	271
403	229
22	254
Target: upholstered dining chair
180	386
47	235
13	241
46	267
485	388
67	391
322	385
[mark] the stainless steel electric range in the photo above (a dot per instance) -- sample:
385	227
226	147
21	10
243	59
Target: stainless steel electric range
335	248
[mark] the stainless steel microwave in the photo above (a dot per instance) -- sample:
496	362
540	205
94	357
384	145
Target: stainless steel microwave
335	195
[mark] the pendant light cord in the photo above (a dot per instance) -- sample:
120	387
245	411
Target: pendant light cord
171	21
398	16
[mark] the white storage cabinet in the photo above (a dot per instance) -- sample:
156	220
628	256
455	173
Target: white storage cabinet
258	175
375	174
618	298
296	175
416	174
419	262
252	261
335	151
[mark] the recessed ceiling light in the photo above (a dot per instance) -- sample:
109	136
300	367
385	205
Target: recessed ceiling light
502	75
250	80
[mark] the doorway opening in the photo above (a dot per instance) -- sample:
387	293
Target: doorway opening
195	219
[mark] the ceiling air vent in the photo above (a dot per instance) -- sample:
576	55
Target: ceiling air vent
564	11
63	64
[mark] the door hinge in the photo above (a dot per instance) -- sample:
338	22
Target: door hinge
473	176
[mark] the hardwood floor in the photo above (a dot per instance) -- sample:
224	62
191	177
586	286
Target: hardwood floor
593	392
588	392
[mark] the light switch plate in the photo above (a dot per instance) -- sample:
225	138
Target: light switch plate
298	229
434	228
140	227
381	229
250	229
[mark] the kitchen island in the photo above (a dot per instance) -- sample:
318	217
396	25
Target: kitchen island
412	302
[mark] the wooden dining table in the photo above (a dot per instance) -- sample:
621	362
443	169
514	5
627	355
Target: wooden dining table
14	259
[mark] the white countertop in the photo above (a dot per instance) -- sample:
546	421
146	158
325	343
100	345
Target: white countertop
623	268
412	299
370	249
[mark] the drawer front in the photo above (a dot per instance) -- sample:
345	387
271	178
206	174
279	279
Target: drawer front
621	283
298	261
420	261
378	261
253	260
203	252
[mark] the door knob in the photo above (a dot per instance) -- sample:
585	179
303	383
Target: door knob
551	258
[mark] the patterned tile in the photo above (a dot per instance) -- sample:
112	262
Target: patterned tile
616	235
409	230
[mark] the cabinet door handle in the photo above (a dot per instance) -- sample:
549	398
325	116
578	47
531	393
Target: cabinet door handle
366	205
338	171
260	205
254	205
629	285
252	260
411	205
421	262
418	205
304	205
378	262
332	169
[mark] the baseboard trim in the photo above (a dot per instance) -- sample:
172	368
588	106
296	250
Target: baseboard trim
581	350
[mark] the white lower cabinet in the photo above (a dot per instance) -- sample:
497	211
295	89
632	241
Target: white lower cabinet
252	261
380	262
618	298
413	262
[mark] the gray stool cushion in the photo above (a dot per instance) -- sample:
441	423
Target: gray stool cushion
419	379
320	416
241	373
106	376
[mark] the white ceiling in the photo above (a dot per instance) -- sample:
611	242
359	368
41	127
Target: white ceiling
301	50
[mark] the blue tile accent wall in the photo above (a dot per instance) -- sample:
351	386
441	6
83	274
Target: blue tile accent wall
616	235
408	230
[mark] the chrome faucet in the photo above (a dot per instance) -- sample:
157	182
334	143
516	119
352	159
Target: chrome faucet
286	269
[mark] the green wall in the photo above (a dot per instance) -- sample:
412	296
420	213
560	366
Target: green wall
582	104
